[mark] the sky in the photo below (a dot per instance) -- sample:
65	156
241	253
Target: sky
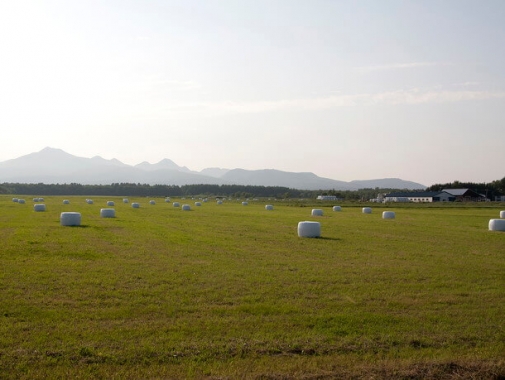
348	90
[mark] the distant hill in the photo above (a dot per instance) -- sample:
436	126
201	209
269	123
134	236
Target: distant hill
56	166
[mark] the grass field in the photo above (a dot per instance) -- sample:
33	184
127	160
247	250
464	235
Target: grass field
230	291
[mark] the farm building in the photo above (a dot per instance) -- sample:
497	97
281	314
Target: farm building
465	194
327	198
420	196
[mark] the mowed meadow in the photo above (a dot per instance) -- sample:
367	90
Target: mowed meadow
230	291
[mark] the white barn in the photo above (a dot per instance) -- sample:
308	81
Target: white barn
420	197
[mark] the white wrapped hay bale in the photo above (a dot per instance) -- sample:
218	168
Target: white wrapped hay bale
317	212
497	225
502	214
269	207
15	199
110	203
39	207
167	200
125	200
309	229
186	207
366	210
176	204
151	202
35	200
135	205
337	208
219	202
89	201
244	203
388	215
21	201
107	213
70	218
66	202
198	204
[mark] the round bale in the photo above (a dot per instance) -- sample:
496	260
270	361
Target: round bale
176	204
89	201
367	210
309	229
219	202
198	203
21	201
107	213
502	214
66	202
39	207
497	225
15	199
125	200
186	207
135	205
70	218
269	207
151	202
244	203
317	212
337	208
110	203
388	215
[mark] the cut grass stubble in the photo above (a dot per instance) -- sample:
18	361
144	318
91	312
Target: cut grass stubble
226	289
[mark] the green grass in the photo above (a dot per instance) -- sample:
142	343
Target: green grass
230	291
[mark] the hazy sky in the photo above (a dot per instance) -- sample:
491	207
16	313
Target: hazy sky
345	89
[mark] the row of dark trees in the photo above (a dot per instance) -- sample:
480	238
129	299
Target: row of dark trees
146	190
237	191
490	190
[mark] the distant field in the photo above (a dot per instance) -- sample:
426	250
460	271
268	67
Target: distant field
229	291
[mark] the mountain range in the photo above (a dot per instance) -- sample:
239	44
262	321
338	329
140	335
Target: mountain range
52	165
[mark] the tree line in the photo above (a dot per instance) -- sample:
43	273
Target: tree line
236	191
490	190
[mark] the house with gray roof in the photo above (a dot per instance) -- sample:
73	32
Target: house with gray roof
465	194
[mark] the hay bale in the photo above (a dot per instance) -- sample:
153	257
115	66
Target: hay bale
110	203
219	202
186	207
309	229
21	201
125	200
39	207
244	203
198	204
66	202
107	213
89	201
388	215
317	212
269	207
135	205
176	204
167	200
497	225
502	214
36	199
366	210
70	218
15	199
151	202
337	208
